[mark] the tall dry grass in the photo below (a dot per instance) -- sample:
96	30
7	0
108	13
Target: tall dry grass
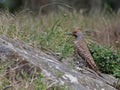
27	27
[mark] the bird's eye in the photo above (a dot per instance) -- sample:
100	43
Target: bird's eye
75	32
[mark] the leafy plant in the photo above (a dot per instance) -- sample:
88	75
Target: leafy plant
107	59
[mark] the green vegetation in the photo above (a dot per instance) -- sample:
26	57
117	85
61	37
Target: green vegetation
107	59
48	33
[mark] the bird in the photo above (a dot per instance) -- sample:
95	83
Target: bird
82	50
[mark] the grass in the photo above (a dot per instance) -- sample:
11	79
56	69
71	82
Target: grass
48	33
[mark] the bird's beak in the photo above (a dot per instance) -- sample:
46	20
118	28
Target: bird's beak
69	33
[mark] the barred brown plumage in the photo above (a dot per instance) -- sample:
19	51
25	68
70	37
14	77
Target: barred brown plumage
84	56
82	50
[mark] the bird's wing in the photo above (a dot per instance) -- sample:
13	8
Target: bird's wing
84	52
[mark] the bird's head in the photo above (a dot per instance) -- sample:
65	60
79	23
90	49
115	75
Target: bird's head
76	33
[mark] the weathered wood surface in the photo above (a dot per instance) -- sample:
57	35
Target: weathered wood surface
53	69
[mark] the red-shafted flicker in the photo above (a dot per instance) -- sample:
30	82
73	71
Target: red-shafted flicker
82	50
